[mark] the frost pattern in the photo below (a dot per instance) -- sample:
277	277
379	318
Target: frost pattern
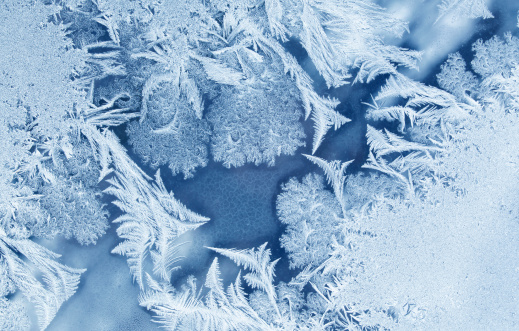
152	220
408	242
237	55
59	281
454	77
464	9
169	132
270	307
311	214
13	316
395	257
255	124
495	60
48	179
218	310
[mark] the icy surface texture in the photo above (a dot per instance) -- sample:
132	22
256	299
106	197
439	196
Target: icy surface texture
259	165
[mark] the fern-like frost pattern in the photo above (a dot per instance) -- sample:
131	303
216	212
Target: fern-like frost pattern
109	108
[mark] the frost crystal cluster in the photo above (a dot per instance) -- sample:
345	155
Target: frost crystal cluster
108	108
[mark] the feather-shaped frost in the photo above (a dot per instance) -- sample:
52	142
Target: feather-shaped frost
257	261
221	73
393	113
460	9
151	222
335	172
57	284
216	310
384	143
